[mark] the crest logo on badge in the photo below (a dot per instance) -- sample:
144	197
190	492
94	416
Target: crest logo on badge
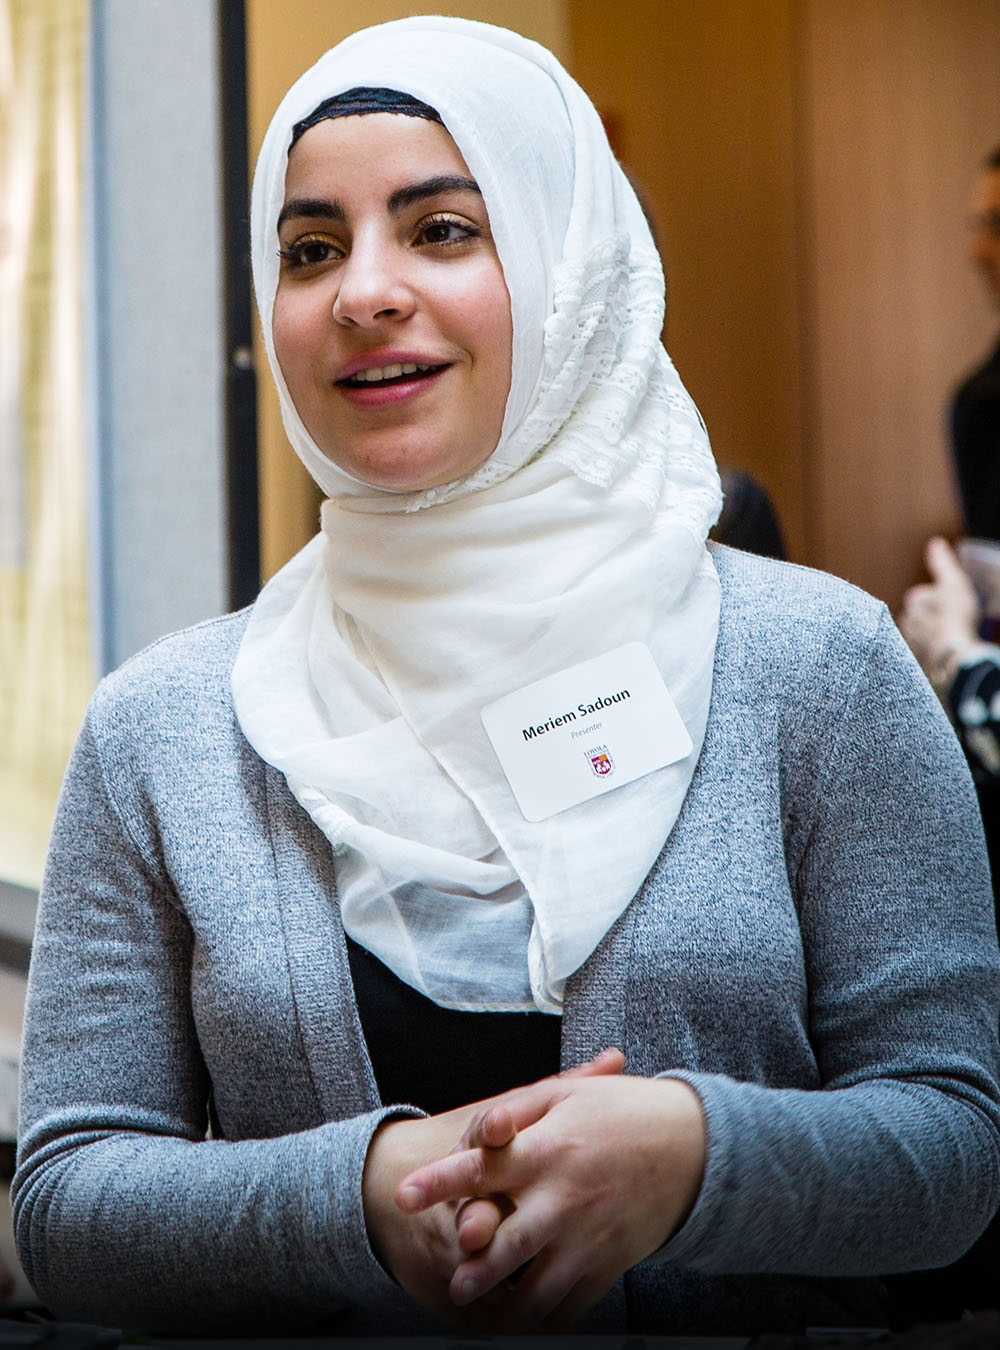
601	761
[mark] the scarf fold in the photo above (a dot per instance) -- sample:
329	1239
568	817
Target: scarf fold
369	657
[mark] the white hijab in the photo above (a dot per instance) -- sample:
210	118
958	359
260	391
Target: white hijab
369	657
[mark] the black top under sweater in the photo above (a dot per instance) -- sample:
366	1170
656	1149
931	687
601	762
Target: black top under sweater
435	1058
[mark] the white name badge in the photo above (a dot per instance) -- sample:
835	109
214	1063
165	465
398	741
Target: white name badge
585	731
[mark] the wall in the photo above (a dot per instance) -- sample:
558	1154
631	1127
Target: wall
808	163
700	98
158	516
282	41
899	102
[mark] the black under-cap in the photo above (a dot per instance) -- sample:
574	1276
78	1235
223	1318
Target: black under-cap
360	100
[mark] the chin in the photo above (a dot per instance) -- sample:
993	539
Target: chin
401	481
408	476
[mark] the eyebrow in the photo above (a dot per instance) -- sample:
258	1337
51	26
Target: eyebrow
430	187
321	208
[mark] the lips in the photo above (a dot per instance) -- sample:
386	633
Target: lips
393	373
388	379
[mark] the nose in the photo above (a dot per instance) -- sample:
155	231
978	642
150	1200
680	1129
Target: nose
373	285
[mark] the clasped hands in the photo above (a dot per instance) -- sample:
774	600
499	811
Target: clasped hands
519	1213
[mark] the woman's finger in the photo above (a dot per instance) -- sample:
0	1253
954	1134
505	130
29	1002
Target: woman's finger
464	1172
477	1222
459	1176
519	1239
479	1169
473	1173
607	1061
497	1124
494	1128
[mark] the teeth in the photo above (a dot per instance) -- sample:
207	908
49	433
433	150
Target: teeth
388	372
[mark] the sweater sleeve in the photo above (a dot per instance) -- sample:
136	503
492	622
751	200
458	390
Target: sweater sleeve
893	1162
125	1212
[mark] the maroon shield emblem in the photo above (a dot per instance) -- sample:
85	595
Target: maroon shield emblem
601	762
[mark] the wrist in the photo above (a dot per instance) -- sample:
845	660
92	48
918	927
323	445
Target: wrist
384	1169
950	660
692	1143
680	1150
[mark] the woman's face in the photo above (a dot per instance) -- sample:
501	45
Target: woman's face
391	319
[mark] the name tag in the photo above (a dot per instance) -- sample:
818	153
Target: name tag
585	731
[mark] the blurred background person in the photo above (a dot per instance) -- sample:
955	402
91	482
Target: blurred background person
941	620
748	520
945	619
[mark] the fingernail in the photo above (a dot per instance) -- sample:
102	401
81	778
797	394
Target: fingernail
411	1197
468	1290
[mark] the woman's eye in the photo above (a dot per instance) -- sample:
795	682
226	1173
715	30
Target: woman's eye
309	252
446	230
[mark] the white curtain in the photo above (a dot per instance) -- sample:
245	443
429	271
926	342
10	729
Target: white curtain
46	670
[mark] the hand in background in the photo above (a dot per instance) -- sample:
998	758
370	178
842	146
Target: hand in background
599	1173
940	619
422	1248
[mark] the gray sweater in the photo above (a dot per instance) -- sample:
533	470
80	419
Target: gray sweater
814	951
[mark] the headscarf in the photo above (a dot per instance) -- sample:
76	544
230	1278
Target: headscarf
367	659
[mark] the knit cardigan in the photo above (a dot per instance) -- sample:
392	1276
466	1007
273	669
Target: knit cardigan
814	951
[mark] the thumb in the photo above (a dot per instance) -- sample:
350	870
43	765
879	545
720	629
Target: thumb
941	559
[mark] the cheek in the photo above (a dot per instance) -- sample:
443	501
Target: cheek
283	331
292	334
493	326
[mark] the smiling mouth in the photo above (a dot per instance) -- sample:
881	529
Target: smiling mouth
379	376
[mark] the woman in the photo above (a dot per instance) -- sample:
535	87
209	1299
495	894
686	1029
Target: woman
564	782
